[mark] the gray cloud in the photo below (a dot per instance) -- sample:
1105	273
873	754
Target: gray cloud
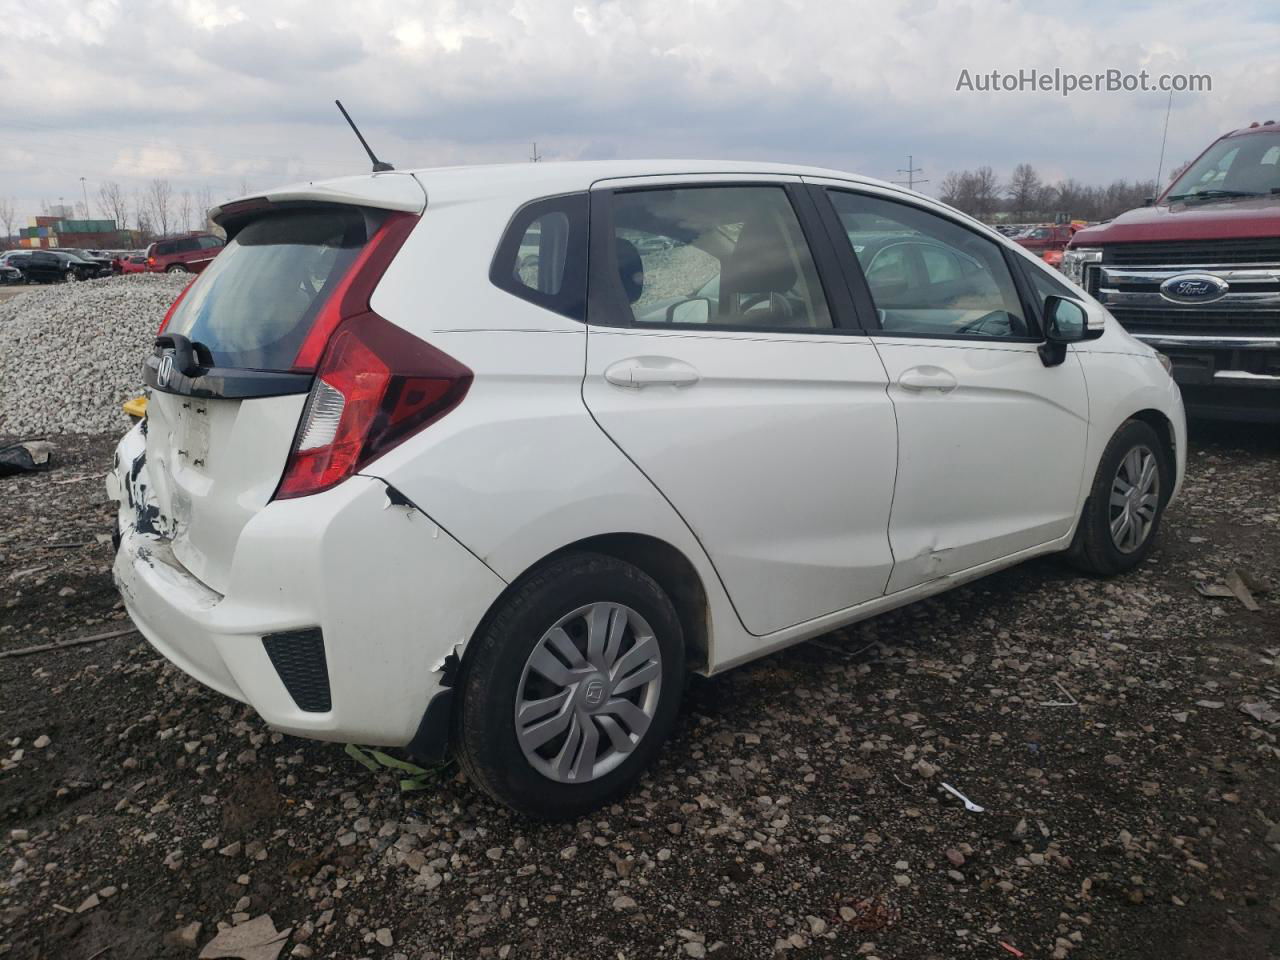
214	93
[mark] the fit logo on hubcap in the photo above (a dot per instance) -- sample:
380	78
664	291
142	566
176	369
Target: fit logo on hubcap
594	693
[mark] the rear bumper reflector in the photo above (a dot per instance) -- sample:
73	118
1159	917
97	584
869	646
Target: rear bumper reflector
298	656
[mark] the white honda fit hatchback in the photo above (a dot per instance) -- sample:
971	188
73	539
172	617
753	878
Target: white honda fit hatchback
485	460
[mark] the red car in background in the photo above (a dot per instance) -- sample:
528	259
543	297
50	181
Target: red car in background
132	264
1047	241
189	254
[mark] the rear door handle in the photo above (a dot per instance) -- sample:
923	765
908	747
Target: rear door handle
637	372
926	377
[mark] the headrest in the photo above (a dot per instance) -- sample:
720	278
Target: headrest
759	262
630	268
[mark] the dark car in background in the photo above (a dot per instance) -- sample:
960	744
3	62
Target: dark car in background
183	254
57	266
14	260
89	264
10	274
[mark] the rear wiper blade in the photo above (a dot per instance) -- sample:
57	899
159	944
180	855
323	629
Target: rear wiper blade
1213	194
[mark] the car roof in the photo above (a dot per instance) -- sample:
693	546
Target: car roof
405	189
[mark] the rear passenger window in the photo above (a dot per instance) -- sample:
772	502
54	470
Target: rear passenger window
721	256
542	258
540	261
928	276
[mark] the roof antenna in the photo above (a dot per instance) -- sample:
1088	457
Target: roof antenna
379	166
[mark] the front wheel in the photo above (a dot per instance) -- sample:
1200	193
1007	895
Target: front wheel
569	691
68	276
1126	502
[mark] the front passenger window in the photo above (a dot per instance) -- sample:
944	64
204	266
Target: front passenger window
927	275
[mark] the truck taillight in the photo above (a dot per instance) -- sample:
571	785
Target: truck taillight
376	386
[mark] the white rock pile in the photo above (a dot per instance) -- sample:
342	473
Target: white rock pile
70	355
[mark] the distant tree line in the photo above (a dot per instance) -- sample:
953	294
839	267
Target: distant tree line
154	211
1025	196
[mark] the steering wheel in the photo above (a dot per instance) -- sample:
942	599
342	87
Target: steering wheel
774	301
1016	327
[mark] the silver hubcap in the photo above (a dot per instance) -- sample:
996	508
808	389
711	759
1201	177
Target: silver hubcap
1135	499
588	692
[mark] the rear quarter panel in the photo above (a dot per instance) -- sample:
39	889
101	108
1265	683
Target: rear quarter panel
520	469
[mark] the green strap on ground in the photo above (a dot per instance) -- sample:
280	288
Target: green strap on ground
420	778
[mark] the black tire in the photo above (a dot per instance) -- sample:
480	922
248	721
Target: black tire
68	276
484	730
1093	550
175	268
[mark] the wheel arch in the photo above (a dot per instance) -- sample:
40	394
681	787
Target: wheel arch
667	565
1163	427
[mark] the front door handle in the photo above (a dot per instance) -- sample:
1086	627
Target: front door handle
637	372
926	377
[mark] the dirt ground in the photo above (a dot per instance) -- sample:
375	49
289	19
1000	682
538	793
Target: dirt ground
1131	807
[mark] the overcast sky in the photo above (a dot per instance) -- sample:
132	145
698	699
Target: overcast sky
220	95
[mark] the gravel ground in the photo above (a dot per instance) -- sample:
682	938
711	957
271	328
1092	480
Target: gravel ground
797	811
70	354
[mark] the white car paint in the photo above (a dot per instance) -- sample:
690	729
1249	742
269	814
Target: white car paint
804	485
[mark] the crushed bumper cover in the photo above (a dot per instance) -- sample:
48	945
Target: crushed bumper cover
391	592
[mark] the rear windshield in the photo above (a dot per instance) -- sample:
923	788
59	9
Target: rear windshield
253	305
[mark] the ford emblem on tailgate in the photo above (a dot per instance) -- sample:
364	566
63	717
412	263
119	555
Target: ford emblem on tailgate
1194	288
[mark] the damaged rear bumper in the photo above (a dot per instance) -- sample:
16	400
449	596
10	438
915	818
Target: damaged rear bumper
390	593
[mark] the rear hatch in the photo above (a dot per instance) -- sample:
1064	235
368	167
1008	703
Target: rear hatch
235	361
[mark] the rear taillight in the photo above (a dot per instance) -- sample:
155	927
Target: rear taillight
351	297
151	261
376	386
172	309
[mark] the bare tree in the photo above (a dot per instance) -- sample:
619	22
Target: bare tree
1024	190
986	192
184	211
141	215
7	215
204	202
1179	170
114	203
159	204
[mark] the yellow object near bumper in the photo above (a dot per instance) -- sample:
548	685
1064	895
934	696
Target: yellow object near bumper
136	407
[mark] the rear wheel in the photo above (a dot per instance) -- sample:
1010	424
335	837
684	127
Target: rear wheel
571	688
1126	502
175	268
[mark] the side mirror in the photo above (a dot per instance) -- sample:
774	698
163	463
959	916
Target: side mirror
1065	321
694	310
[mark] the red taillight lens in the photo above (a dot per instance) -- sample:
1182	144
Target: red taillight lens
172	309
377	385
151	261
351	297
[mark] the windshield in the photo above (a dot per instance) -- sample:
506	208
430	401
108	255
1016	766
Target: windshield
254	304
1247	165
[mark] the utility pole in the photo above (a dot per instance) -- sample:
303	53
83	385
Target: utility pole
536	156
910	171
85	190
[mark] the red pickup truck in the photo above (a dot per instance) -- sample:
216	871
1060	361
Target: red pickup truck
1196	274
